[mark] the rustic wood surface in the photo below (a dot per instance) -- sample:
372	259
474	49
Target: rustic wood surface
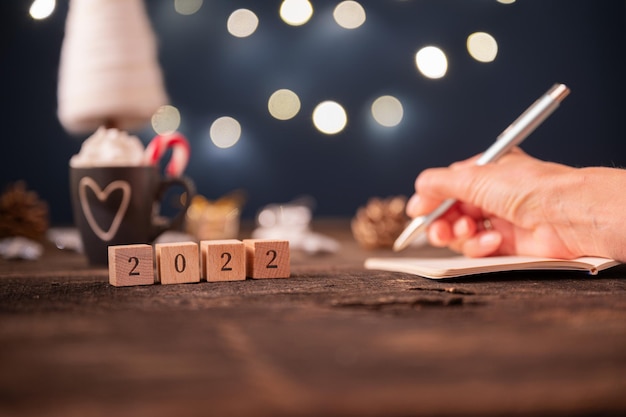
334	339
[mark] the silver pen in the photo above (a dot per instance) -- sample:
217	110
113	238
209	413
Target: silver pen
511	137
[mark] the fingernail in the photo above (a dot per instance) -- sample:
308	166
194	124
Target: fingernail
461	228
435	238
411	205
490	239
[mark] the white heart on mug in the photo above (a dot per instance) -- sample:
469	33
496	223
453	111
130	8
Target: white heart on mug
102	195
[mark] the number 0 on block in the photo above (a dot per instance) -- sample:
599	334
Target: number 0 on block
267	258
178	263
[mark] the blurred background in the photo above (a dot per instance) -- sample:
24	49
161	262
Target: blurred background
364	95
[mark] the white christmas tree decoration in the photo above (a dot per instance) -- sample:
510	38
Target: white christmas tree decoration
109	72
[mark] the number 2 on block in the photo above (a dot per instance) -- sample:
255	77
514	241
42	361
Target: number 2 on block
228	257
272	263
133	271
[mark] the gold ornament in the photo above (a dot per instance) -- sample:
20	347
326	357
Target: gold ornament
211	220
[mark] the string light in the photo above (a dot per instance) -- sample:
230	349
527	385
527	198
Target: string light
41	9
225	132
242	23
482	47
329	117
187	7
166	120
387	111
283	104
296	12
349	14
431	62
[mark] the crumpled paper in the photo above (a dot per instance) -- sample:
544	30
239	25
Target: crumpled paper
19	247
291	221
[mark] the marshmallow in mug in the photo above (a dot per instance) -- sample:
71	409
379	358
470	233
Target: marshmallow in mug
109	147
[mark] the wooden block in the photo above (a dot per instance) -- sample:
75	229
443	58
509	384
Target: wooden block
267	258
131	265
178	263
223	260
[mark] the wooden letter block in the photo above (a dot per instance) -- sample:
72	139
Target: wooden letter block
267	258
178	263
223	260
131	265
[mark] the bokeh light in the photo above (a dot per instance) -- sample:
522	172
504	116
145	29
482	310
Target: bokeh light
166	120
296	12
387	111
506	1
283	104
349	14
187	7
482	47
242	23
329	117
225	132
41	9
431	62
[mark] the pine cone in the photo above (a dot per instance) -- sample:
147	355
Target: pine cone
22	213
380	222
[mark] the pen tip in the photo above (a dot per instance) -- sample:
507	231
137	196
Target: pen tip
559	91
399	245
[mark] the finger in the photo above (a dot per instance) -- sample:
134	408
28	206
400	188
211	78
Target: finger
440	233
417	206
472	211
466	181
413	206
422	204
483	244
437	184
464	227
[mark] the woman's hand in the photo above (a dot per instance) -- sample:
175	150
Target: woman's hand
521	205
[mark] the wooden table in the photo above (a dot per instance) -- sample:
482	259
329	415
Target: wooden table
334	339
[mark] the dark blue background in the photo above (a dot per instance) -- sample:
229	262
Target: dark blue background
209	74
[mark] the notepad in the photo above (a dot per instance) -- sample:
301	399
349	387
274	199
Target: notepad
458	266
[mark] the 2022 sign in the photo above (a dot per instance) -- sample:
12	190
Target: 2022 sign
188	262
